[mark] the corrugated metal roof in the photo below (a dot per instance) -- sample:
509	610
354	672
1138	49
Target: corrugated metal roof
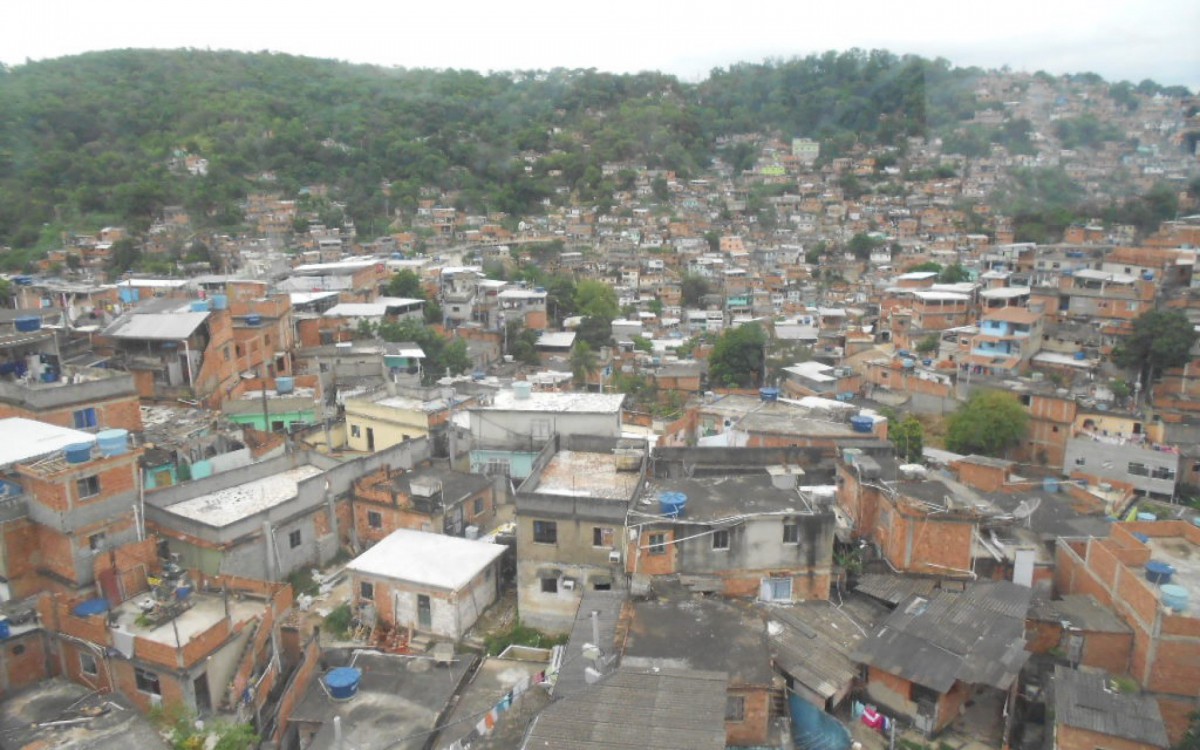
1084	701
657	709
976	636
813	641
157	326
893	589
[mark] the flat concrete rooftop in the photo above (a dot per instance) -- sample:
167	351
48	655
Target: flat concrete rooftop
207	610
1184	556
588	475
233	504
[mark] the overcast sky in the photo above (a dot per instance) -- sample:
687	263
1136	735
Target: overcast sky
1119	40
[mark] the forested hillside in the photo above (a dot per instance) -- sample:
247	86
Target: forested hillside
88	140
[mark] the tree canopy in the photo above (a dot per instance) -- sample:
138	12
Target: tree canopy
908	437
737	359
442	355
988	424
1161	339
596	299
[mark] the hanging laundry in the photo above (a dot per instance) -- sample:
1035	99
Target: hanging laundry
872	718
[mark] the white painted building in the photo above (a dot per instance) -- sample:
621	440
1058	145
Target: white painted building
427	583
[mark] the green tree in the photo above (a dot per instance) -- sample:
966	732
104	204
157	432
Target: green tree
642	344
124	255
989	423
929	344
954	274
406	284
693	288
1161	339
660	189
928	266
522	343
442	355
737	359
908	436
596	299
597	332
583	362
862	245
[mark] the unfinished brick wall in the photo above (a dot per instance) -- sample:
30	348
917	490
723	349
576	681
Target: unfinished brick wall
1074	738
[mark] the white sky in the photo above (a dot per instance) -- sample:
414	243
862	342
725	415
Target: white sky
1119	40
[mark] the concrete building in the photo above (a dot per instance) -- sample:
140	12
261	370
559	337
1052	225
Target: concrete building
570	515
389	416
267	519
427	499
1124	460
508	432
82	398
427	583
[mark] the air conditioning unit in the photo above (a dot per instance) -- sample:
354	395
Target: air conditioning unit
568	584
614	556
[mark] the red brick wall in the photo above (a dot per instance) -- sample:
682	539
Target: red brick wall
1073	738
755	727
23	660
298	686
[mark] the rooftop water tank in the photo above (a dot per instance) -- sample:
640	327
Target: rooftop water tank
343	683
768	394
113	442
90	607
253	320
78	453
28	323
522	389
1080	356
862	424
1174	597
1141	537
1050	484
908	363
1147	517
1159	572
1147	276
201	305
672	503
220	302
284	385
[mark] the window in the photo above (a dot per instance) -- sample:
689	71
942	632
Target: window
294	539
777	589
602	536
366	591
87	664
549	585
87	487
791	533
1163	472
374	519
1139	469
96	541
355	431
735	708
478	506
85	418
146	681
545	532
497	467
539	428
1080	460
720	539
658	544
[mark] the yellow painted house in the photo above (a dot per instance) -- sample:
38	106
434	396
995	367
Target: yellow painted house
381	420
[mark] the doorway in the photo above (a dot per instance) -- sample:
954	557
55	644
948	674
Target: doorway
424	613
371	439
203	699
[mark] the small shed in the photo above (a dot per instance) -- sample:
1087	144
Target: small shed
429	583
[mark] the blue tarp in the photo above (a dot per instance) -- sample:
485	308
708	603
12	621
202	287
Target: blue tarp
813	729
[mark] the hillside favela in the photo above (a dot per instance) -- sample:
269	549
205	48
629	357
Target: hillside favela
841	401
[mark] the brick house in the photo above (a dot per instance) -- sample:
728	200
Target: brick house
426	499
1089	713
427	583
933	653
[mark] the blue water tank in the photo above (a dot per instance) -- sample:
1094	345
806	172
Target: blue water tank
1147	276
1080	356
343	683
768	394
23	280
927	362
254	320
1174	597
220	302
1141	537
201	305
284	385
113	442
1159	572
78	453
28	323
90	607
5	628
908	363
862	424
1147	517
1050	484
672	503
